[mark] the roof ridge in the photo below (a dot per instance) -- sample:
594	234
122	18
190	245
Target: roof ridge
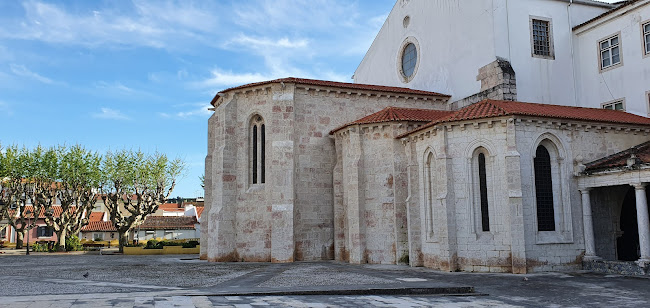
490	108
329	83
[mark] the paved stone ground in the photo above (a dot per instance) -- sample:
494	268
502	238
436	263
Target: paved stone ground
184	281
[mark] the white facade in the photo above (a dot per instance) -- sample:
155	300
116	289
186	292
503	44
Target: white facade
471	34
629	81
175	234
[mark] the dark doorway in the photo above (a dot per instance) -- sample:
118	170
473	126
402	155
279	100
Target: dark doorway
627	245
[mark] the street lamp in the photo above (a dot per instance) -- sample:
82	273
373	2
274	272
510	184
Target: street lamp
28	212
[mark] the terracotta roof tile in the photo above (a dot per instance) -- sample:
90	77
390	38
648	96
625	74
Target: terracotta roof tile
641	154
168	222
199	211
315	82
170	207
57	211
622	5
390	114
96	216
496	108
102	226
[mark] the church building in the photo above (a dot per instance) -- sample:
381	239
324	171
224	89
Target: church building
485	136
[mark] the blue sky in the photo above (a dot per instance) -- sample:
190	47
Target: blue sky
140	74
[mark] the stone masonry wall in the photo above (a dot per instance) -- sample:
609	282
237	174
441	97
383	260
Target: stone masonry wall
561	250
497	82
318	111
291	216
513	243
373	194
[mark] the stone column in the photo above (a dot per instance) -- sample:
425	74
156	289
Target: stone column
642	221
587	221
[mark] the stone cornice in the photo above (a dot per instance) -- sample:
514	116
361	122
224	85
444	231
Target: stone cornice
550	123
329	90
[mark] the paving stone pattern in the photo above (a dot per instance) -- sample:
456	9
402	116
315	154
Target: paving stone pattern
172	281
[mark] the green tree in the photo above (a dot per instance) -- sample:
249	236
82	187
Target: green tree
77	177
20	172
134	185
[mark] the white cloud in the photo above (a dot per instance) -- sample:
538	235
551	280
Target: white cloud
110	114
160	24
190	110
115	87
243	40
21	70
221	78
200	109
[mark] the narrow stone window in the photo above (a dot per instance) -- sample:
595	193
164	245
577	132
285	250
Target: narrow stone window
485	218
263	153
544	190
257	151
429	189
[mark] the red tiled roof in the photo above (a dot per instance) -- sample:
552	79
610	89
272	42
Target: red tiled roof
102	226
622	5
199	211
170	207
641	154
390	114
96	216
168	222
496	108
315	82
57	211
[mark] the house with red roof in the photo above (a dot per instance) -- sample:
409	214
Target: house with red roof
168	228
99	228
41	231
481	136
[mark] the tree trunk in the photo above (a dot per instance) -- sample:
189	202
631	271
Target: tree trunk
19	239
60	240
124	240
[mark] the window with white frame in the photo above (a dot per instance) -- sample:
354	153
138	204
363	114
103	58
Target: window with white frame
98	236
610	52
541	37
615	105
646	38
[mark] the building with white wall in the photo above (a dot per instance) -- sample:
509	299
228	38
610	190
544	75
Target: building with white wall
389	170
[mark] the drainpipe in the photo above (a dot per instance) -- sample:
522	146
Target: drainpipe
573	62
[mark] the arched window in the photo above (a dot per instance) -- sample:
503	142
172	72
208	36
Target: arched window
257	151
485	218
429	194
544	190
481	172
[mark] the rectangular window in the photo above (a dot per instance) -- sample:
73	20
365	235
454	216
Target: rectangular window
541	37
615	105
610	52
44	231
646	38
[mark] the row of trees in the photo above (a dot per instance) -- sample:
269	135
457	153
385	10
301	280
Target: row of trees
130	183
